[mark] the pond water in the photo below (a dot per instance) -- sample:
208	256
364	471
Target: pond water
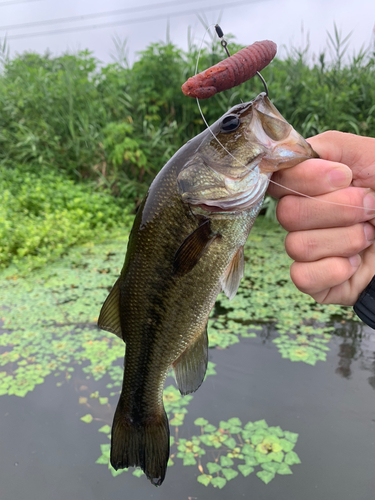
48	452
287	409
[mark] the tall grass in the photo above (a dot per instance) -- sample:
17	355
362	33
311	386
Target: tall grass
118	125
113	127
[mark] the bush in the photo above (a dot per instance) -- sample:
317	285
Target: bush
112	128
42	215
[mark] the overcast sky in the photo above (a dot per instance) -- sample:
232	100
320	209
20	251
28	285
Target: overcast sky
286	22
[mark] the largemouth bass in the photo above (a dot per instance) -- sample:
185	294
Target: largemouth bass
186	246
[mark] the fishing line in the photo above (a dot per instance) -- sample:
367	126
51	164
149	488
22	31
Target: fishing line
243	165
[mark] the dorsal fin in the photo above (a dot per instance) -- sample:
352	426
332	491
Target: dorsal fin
230	281
193	247
190	368
109	317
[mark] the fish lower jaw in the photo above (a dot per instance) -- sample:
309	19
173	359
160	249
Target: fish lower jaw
209	208
231	209
234	204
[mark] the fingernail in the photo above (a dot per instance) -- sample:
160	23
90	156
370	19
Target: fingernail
339	177
355	260
369	203
369	232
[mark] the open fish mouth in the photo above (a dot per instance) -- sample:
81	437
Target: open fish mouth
230	172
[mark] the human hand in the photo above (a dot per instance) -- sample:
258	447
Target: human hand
332	245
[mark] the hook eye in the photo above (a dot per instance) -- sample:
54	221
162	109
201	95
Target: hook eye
229	124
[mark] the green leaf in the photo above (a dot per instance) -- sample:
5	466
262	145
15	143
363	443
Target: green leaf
260	432
213	467
261	424
265	476
235	422
284	469
201	422
224	425
245	469
251	460
226	461
207	440
229	474
247	434
102	460
231	443
256	439
176	422
138	472
209	428
262	458
292	458
277	431
286	445
105	449
218	482
291	436
189	459
247	449
276	456
117	472
87	418
249	426
271	467
234	430
106	429
204	479
217	444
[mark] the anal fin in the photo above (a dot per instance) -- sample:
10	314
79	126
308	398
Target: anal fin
190	368
109	317
230	281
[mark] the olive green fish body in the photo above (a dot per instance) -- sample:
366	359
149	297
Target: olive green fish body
186	246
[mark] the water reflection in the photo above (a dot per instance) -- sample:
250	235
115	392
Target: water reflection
371	380
346	354
358	345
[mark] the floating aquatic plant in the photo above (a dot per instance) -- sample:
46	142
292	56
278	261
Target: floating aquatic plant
223	452
49	317
49	327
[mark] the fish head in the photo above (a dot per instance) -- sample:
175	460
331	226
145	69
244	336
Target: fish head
236	156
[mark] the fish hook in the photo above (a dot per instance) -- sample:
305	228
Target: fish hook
224	44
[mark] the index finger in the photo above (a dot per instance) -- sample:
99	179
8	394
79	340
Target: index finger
353	150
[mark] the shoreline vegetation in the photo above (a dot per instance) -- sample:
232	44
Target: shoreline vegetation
81	142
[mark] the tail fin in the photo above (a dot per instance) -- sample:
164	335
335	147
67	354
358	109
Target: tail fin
142	444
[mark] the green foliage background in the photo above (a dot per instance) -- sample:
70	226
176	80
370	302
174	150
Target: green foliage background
81	142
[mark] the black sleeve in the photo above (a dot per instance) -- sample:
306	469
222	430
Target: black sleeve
365	305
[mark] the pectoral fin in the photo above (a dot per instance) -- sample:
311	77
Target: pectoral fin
109	317
232	276
190	368
193	247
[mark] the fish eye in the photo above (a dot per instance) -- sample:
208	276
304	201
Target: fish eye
230	123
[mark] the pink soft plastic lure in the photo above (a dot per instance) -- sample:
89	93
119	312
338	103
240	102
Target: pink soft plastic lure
232	71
